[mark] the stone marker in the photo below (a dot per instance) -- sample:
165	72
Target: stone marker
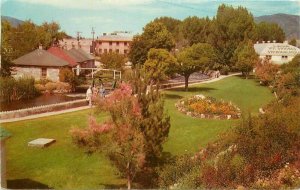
41	142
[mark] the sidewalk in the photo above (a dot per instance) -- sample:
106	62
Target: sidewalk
87	107
204	81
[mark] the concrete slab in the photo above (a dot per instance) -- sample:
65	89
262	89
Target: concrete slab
41	142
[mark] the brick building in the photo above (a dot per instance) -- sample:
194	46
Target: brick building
112	43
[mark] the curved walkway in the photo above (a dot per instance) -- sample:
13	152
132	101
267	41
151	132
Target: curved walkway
87	107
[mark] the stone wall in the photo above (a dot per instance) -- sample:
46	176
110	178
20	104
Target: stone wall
36	72
42	109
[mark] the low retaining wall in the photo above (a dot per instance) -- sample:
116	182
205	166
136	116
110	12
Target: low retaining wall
42	109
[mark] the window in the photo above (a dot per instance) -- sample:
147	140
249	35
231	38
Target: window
100	50
117	50
284	57
44	73
117	43
269	56
125	51
105	50
100	43
110	50
110	43
125	43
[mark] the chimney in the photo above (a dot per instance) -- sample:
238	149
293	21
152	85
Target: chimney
263	42
268	42
40	46
285	42
257	42
274	41
104	34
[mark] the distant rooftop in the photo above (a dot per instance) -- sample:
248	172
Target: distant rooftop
40	57
115	37
269	48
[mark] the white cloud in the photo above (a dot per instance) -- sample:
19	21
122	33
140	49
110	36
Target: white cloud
88	4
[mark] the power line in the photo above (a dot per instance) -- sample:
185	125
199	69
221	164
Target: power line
180	5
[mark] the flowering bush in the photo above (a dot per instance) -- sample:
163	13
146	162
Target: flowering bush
204	107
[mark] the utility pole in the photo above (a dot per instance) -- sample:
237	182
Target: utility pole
93	33
78	35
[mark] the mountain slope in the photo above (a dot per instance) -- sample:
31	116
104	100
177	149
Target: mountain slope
289	23
13	21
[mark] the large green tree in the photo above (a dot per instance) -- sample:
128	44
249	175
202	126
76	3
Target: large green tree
246	57
155	35
28	36
230	27
6	50
269	32
195	30
159	65
195	58
113	60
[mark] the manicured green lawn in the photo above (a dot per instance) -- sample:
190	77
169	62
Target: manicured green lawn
64	166
188	134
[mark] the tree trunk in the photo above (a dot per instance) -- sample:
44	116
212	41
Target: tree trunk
186	82
128	176
128	181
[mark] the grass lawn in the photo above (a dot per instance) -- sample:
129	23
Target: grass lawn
64	166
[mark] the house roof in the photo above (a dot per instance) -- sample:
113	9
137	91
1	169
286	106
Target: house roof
79	55
40	57
115	38
276	49
63	55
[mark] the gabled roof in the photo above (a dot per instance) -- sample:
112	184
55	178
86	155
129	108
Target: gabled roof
41	58
79	55
63	55
276	49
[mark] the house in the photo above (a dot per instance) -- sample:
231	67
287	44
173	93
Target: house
278	53
113	42
85	44
39	64
84	59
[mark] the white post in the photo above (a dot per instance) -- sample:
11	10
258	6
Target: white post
92	73
120	75
114	74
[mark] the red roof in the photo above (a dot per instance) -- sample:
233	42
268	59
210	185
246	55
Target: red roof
58	52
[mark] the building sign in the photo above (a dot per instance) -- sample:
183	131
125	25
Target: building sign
282	50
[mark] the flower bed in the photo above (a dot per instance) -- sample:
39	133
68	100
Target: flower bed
208	107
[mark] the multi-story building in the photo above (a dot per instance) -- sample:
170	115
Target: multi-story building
113	43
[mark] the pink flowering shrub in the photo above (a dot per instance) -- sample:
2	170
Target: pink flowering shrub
120	136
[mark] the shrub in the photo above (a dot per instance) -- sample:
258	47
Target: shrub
266	72
15	89
66	75
43	81
63	87
50	87
225	70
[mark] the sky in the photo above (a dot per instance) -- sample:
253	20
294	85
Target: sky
128	15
